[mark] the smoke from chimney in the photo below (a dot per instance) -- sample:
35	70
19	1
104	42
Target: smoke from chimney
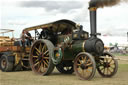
102	3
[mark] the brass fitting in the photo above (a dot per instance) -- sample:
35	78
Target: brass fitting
93	8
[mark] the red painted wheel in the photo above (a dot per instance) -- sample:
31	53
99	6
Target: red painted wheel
84	66
107	66
40	57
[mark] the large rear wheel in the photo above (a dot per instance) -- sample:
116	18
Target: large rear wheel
84	66
40	57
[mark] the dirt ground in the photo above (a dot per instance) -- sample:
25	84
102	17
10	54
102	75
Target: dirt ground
56	78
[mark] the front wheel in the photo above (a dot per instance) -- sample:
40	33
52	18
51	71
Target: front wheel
107	65
84	66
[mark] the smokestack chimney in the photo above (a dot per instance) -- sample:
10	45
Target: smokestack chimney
93	21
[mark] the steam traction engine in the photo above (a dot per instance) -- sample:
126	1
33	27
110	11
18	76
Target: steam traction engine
67	46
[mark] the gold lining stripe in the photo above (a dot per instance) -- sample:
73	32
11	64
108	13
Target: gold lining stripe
83	46
92	9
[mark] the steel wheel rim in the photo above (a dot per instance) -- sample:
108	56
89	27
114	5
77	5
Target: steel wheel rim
84	67
40	58
108	66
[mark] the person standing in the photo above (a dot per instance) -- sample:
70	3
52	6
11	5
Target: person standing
28	38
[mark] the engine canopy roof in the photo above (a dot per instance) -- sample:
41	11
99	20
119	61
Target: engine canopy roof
56	26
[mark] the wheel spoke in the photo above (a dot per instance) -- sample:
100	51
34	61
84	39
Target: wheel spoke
46	52
45	63
88	64
35	56
102	61
90	67
102	69
112	64
37	53
46	58
40	47
36	63
44	48
37	60
43	67
87	71
78	69
88	60
78	64
112	67
83	72
107	70
39	68
110	61
106	58
37	50
82	58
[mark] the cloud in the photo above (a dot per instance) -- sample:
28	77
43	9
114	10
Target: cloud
55	10
17	22
62	6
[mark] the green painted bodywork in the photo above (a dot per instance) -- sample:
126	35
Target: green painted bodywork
77	46
70	47
71	52
64	38
68	54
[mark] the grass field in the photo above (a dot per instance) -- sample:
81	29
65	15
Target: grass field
30	78
119	54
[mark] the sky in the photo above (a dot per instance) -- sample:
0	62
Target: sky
20	14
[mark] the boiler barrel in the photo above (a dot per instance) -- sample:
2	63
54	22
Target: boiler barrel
94	45
76	47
